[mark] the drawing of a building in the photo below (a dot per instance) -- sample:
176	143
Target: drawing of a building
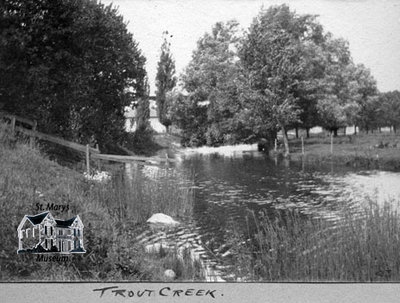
42	233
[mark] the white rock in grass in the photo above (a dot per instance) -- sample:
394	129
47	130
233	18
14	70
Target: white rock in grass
160	219
169	274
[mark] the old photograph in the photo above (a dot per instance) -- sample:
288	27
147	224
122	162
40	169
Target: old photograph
199	141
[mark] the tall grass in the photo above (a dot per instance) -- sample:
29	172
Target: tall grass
359	247
135	199
113	214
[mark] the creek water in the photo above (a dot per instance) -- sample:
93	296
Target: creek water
230	185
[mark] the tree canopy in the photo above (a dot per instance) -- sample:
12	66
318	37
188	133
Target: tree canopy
284	71
388	107
272	51
72	65
215	86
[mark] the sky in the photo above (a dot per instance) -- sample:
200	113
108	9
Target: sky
372	28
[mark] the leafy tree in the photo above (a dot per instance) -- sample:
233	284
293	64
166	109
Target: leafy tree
389	109
189	117
271	52
337	95
67	64
348	91
308	88
366	98
215	83
284	72
165	81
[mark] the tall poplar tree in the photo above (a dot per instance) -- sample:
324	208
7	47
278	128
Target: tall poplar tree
165	81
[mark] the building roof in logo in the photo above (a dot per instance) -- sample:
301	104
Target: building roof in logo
38	218
65	223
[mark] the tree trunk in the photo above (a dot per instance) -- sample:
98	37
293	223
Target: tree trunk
297	132
380	129
308	132
394	128
344	130
335	130
285	139
355	129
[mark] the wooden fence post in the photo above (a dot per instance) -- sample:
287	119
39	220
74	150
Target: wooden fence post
32	138
98	160
87	160
302	145
13	126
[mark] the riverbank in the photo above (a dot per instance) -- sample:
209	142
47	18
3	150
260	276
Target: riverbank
370	151
113	212
367	151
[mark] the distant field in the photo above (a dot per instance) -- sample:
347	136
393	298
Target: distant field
377	150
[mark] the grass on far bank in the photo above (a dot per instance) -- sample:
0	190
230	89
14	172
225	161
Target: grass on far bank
360	150
361	247
113	214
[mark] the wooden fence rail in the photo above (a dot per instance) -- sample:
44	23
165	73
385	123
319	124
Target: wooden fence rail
46	137
17	118
89	151
118	158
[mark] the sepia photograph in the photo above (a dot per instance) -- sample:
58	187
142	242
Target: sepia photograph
186	141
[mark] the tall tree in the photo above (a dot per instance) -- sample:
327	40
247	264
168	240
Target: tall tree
306	92
165	81
389	109
215	83
271	52
143	110
366	96
189	117
68	65
337	105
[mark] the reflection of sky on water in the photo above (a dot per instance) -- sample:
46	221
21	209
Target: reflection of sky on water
243	177
382	185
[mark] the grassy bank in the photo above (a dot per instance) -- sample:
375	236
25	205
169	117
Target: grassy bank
378	150
113	213
362	247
